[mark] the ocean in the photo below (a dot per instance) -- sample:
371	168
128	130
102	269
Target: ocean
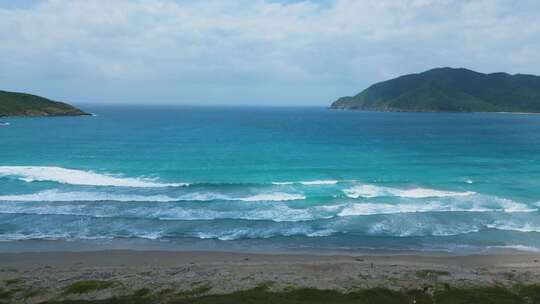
264	178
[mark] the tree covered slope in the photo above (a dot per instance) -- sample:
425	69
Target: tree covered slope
449	90
21	104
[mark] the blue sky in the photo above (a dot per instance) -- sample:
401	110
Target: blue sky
258	52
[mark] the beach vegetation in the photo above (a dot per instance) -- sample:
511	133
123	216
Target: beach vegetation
14	281
522	294
531	293
34	292
195	292
88	286
6	294
429	273
480	295
165	291
143	292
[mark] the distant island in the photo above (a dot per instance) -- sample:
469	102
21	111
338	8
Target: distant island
21	104
449	90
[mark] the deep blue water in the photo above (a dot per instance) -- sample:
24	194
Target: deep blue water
283	177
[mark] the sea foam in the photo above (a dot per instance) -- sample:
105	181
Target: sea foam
276	196
482	204
513	226
244	233
82	196
308	183
79	177
370	191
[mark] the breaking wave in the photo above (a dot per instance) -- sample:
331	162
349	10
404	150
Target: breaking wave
481	204
236	234
58	196
276	197
309	183
370	191
79	177
234	211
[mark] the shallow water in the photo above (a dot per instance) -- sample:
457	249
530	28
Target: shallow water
274	177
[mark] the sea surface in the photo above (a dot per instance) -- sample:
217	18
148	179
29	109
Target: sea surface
273	178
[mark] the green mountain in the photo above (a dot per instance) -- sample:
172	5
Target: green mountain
21	104
449	90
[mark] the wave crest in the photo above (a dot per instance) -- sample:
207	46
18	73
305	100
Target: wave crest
79	177
480	204
58	196
371	191
309	183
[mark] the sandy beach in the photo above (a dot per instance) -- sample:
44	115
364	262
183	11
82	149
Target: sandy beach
44	276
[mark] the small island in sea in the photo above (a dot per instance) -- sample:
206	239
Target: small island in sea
22	104
449	90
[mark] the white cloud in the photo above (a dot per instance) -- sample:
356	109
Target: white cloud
240	51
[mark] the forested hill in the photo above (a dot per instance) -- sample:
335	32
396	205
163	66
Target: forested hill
449	90
21	104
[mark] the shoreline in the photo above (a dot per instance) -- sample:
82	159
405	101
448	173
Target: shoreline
170	257
127	271
244	247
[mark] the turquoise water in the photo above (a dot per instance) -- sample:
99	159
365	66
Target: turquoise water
285	178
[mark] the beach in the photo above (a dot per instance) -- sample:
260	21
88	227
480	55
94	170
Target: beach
45	276
269	151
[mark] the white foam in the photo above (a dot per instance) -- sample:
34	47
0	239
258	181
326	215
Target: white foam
204	197
78	177
380	208
275	197
320	182
53	236
57	196
521	227
242	233
309	183
319	233
211	196
370	191
275	213
480	205
408	229
80	196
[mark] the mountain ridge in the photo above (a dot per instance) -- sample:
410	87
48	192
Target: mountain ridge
449	90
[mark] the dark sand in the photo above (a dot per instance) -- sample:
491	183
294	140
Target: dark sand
45	275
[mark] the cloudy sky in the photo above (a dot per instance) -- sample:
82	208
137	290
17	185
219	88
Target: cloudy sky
259	52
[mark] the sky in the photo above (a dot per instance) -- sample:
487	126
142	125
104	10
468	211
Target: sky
252	52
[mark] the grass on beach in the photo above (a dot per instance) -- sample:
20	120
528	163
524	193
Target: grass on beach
5	294
428	273
88	286
481	295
